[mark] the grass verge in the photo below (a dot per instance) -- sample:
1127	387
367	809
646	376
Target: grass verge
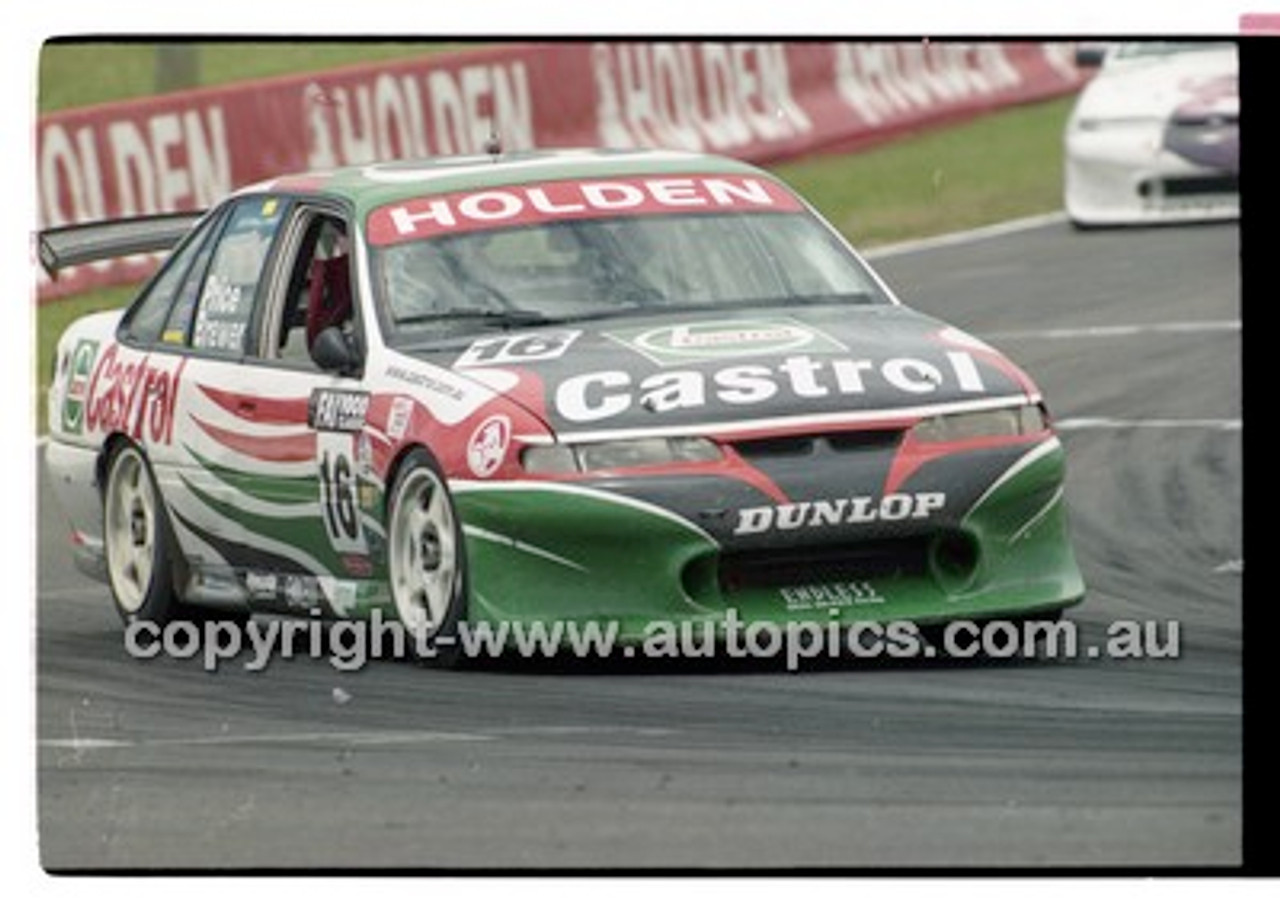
996	167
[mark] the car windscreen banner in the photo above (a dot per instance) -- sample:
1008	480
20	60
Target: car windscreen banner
552	202
759	101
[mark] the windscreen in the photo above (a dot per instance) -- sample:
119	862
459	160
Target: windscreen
569	251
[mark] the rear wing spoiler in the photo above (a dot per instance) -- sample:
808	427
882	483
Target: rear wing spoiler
65	246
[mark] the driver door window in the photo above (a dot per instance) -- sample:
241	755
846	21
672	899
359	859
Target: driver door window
318	294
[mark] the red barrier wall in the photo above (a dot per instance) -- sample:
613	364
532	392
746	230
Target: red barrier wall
757	101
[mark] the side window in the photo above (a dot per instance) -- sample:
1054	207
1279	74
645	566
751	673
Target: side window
225	305
148	316
319	290
178	328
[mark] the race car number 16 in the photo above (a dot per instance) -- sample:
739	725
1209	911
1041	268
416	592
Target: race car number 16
524	348
338	499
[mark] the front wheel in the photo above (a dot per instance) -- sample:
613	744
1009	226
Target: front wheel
136	539
426	559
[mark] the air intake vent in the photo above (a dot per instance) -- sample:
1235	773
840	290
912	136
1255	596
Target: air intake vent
792	567
1209	184
789	447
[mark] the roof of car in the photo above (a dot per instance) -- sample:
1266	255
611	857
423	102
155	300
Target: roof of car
374	184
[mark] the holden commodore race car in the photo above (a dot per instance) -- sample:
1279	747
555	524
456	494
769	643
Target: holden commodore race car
1154	137
614	386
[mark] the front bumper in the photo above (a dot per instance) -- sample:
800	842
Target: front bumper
561	551
1127	175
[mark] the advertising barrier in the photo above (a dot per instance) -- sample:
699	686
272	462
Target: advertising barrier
759	101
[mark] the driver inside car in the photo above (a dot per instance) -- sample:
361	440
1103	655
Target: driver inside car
329	285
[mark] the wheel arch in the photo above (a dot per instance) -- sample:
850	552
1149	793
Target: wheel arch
115	440
396	464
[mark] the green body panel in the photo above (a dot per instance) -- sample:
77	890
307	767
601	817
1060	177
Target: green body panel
305	533
559	555
300	489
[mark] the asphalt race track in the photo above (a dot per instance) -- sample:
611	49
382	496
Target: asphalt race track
1134	336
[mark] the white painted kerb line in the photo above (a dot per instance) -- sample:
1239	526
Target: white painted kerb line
276	739
1221	424
992	231
1116	331
352	738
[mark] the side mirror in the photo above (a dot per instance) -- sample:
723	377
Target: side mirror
1090	55
333	351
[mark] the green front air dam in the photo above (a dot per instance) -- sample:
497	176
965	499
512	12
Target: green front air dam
549	551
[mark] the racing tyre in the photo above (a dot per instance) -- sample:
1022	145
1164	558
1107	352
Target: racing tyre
136	539
426	560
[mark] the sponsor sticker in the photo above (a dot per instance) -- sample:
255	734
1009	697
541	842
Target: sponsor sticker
300	592
843	511
134	396
696	342
523	348
488	445
342	595
73	399
591	397
398	416
368	494
260	585
839	595
576	199
364	455
434	384
337	409
356	565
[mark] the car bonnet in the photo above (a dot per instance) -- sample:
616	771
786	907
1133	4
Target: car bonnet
735	370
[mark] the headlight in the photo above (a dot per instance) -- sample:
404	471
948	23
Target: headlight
596	457
549	460
1001	422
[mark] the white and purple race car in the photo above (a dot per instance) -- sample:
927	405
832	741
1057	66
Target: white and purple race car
1155	136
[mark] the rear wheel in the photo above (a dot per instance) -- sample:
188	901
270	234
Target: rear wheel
136	539
426	559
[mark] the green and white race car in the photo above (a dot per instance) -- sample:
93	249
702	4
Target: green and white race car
608	386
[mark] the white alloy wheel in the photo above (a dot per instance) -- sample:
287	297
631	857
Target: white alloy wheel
423	550
134	537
